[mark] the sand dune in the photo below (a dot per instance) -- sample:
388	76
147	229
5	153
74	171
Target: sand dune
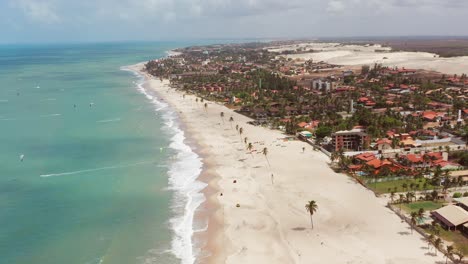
361	55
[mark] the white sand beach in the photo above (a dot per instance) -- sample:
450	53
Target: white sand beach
272	225
351	55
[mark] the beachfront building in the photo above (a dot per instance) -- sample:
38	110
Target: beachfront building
462	175
463	202
451	217
355	139
325	85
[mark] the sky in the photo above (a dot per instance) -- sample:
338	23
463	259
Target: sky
31	21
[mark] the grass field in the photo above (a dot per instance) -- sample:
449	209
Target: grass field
388	186
455	238
426	205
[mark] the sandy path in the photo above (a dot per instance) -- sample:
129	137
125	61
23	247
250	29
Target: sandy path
271	225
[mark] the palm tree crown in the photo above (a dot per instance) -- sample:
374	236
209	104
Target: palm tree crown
311	207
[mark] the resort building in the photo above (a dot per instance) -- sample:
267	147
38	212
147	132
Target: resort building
463	202
355	139
451	217
320	84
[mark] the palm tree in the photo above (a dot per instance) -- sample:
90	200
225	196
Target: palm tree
434	195
414	216
241	130
249	148
449	253
392	196
333	156
402	197
435	227
311	207
430	240
231	119
437	244
222	116
404	186
420	214
265	153
409	197
460	255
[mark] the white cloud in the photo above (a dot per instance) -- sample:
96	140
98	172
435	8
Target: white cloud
38	10
237	18
336	6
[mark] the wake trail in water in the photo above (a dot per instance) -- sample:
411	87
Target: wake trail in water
95	169
109	120
51	115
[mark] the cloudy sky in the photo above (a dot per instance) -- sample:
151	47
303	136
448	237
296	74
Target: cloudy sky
110	20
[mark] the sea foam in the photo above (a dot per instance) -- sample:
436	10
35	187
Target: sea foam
182	176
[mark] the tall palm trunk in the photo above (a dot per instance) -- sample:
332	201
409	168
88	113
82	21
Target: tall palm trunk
267	161
311	221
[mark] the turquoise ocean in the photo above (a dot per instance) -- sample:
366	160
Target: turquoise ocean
93	168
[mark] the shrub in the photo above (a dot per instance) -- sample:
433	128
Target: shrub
457	195
465	194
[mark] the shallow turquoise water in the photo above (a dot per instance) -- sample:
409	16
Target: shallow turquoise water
106	200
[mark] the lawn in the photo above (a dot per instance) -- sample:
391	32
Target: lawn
459	240
426	205
455	238
388	186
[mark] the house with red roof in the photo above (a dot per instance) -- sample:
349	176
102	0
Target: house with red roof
413	161
383	144
429	115
447	165
365	157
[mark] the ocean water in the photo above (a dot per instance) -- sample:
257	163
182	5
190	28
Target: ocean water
105	176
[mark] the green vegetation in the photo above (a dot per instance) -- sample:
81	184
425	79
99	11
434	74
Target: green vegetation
459	241
419	184
426	205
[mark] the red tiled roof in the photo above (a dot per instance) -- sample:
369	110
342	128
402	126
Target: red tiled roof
368	156
414	158
354	167
302	124
435	155
377	163
384	141
429	115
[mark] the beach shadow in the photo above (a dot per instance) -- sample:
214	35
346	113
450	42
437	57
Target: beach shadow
242	160
298	228
432	254
256	167
404	233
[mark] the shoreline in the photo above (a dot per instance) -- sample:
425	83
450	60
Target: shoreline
270	224
208	211
209	237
